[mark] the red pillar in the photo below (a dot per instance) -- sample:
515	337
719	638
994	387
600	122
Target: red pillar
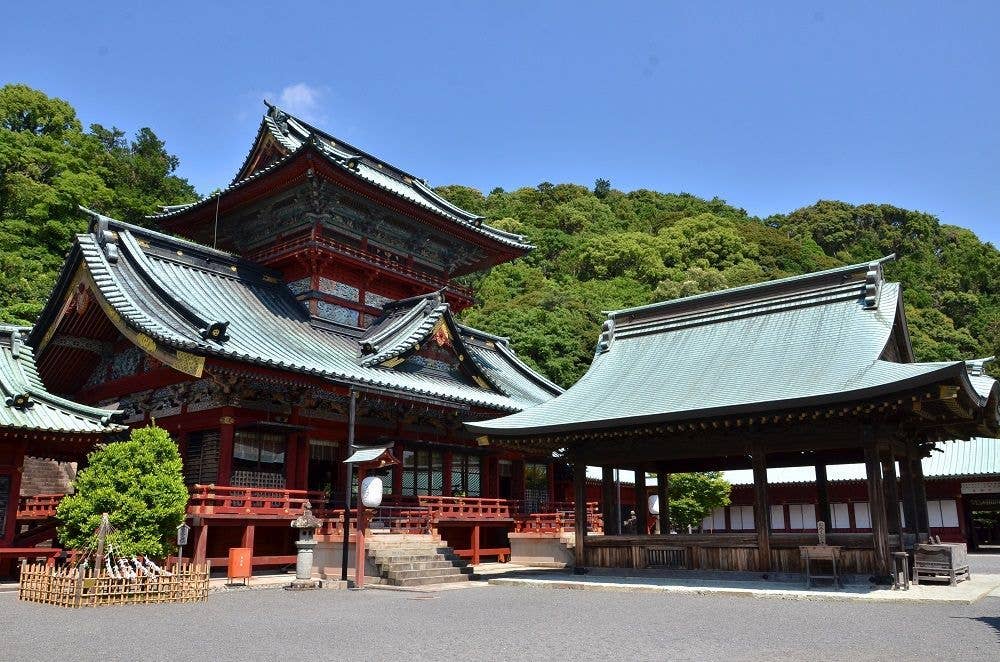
359	538
248	534
17	462
200	543
227	432
292	463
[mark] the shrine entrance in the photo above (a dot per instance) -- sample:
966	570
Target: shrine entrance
325	468
984	521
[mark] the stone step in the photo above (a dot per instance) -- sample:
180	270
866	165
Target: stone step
410	574
421	565
408	558
411	551
424	581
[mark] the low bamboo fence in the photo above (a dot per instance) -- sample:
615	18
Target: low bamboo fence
80	587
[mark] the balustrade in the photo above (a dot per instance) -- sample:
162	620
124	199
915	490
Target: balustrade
39	506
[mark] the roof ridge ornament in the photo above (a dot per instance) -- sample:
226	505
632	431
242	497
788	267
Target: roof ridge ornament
607	336
977	367
106	238
873	284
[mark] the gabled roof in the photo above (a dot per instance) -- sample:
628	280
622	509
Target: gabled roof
804	341
177	296
28	406
293	135
410	323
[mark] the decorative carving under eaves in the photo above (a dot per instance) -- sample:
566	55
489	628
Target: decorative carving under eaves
323	405
204	394
167	401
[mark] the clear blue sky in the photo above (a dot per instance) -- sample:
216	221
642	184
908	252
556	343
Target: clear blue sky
768	105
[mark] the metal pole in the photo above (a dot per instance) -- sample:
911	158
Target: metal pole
347	486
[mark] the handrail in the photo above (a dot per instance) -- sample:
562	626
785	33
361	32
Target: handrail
38	506
366	256
465	508
259	501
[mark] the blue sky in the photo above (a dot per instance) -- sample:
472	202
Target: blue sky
768	105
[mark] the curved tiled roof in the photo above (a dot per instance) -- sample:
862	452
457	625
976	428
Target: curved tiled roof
802	341
27	405
294	134
176	292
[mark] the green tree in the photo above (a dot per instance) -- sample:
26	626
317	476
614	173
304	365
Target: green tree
693	496
48	167
140	484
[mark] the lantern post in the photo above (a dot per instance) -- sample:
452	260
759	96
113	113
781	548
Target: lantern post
369	496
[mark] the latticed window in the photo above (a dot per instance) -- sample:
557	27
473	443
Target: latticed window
536	486
201	458
465	475
258	459
423	473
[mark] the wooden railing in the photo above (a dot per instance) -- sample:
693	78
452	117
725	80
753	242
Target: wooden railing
558	522
469	508
39	506
260	502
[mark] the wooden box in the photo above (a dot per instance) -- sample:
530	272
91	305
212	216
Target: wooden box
948	561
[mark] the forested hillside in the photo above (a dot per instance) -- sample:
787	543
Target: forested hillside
603	249
48	165
597	249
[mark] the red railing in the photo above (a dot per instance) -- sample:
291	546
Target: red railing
262	502
563	518
469	508
299	243
39	506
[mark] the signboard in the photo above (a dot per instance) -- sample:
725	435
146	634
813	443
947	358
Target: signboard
986	487
182	534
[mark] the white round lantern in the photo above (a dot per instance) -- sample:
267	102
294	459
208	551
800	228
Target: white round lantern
654	504
371	492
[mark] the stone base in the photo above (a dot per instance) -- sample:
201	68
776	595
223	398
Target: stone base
542	550
304	585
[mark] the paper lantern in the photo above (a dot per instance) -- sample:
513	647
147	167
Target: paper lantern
371	492
654	504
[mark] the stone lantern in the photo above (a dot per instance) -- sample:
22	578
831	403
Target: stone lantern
307	524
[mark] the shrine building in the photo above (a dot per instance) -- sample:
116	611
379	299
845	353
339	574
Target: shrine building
815	370
37	430
314	294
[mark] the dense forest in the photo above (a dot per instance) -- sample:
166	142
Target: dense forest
597	248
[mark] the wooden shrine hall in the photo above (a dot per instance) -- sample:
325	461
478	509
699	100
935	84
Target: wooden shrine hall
310	302
813	370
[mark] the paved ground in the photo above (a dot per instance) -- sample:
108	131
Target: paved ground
493	623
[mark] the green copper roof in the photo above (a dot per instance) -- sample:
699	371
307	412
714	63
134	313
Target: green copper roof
294	135
818	339
27	405
209	303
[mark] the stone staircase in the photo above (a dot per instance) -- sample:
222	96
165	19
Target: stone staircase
415	560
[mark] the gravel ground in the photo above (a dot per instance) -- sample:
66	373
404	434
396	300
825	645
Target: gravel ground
985	564
495	623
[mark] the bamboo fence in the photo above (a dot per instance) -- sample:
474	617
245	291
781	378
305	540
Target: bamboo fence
80	587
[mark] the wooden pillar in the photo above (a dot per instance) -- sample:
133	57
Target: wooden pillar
641	502
448	460
761	510
227	432
608	508
200	543
248	534
891	494
663	494
580	505
909	494
17	464
823	497
475	544
517	481
920	493
876	510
